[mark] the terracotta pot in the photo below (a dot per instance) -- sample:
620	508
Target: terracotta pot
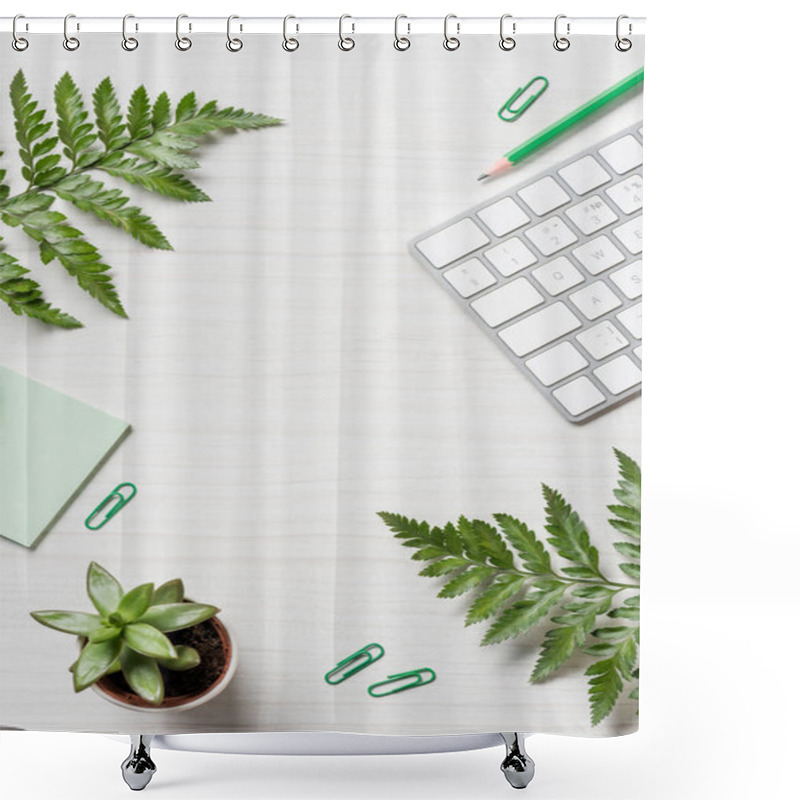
107	687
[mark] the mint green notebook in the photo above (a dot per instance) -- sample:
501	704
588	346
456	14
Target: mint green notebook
50	446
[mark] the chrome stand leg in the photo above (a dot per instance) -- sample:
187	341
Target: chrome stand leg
517	766
138	768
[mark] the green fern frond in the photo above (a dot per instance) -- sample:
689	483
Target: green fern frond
75	132
473	556
110	205
147	148
23	295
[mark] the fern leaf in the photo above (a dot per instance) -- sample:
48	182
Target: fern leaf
530	549
569	536
24	295
111	206
559	644
161	112
632	570
210	118
59	240
162	154
139	115
492	601
153	177
186	108
628	512
40	166
628	550
108	116
607	676
470	579
444	567
524	614
75	132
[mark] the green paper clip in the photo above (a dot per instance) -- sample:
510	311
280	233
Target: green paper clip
364	653
121	501
415	673
514	113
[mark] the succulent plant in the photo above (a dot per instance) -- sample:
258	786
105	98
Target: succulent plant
128	633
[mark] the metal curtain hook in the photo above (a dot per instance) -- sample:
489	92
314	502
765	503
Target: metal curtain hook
290	44
401	42
451	42
561	43
182	42
233	44
70	42
507	42
18	42
129	43
346	42
623	44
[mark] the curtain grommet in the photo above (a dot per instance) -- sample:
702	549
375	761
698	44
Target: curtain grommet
507	42
451	43
19	43
129	43
623	44
289	44
71	43
233	44
346	43
561	43
183	43
401	43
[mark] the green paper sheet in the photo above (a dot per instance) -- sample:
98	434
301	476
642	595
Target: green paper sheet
50	446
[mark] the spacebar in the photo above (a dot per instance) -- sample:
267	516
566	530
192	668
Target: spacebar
539	329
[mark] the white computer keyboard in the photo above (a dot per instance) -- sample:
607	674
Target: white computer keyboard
552	271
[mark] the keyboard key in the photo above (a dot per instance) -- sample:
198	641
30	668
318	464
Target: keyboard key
629	280
557	275
630	234
598	255
595	300
602	340
627	194
503	216
622	155
469	278
543	196
539	329
584	175
551	236
591	215
510	257
507	302
578	396
452	243
619	374
631	318
557	363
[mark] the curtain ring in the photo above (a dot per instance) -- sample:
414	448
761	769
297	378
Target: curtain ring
129	43
70	42
561	43
233	44
18	42
182	42
290	44
507	42
346	42
401	42
623	44
451	42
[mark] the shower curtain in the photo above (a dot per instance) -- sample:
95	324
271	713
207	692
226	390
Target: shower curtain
304	427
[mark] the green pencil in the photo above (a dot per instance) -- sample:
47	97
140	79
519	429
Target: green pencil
535	142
